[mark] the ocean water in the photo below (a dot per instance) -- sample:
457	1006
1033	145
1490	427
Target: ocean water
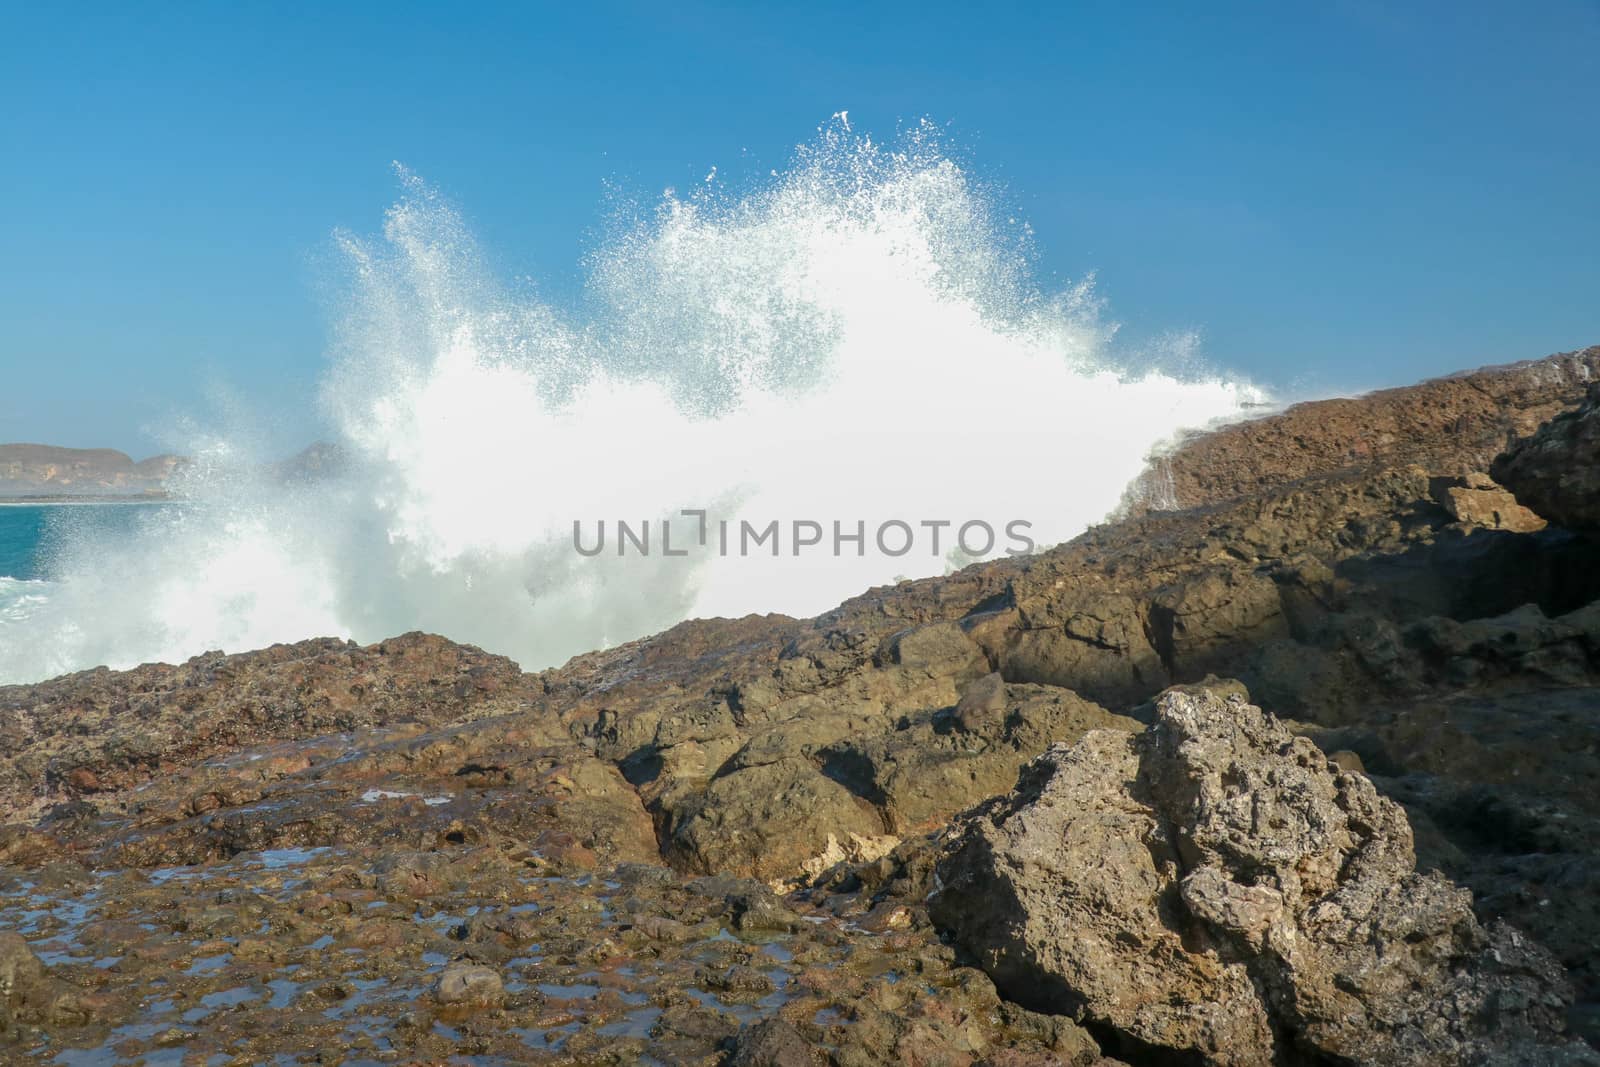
33	535
22	534
858	338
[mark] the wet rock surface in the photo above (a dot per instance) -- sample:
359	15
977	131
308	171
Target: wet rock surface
99	731
314	955
739	821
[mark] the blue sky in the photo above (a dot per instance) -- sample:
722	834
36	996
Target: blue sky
1336	196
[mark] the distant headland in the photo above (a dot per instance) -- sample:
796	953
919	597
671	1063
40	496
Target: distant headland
48	473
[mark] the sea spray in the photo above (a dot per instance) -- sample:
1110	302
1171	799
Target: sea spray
857	338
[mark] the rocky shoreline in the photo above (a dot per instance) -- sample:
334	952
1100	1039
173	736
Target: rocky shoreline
1029	813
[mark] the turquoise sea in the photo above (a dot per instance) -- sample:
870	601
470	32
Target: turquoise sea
22	531
31	536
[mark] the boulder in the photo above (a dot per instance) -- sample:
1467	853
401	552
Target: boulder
772	819
465	984
1218	888
937	764
1556	470
30	993
771	1043
1478	500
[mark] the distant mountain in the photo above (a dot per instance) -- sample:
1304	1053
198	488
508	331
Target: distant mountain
50	472
47	470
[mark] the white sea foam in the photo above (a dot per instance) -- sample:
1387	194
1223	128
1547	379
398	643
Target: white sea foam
859	338
21	598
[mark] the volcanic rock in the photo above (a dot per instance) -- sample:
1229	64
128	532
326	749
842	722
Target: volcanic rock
1453	426
1556	471
1478	500
772	1043
1218	887
469	984
101	730
29	993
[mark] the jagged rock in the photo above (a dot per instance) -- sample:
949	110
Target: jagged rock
772	1043
29	993
1217	887
1524	641
943	646
1479	500
21	976
751	905
1556	470
933	766
772	819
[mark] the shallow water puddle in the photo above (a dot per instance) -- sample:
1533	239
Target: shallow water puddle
634	1024
229	997
574	991
284	991
277	859
209	964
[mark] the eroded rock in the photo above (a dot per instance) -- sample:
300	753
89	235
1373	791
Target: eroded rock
1479	500
1556	470
1454	425
469	985
772	1043
1218	887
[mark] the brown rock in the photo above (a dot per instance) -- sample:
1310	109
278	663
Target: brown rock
1347	760
657	928
982	702
28	991
83	780
469	984
1453	425
1478	500
1556	470
772	1043
101	730
1302	917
